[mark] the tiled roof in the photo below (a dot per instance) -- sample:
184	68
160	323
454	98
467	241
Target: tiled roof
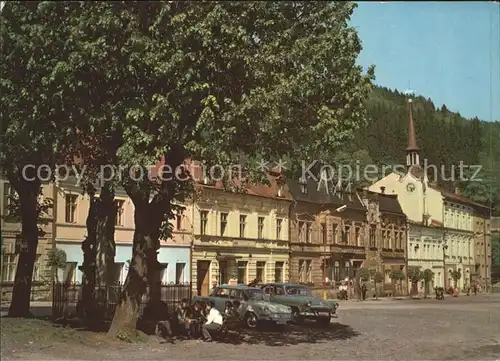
458	198
261	190
387	202
324	194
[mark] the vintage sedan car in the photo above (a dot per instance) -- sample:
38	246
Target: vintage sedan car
254	306
303	304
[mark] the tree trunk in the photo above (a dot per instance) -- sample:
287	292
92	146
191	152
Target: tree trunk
89	256
376	293
21	294
105	237
142	272
98	250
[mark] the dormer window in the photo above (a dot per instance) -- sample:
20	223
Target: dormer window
280	191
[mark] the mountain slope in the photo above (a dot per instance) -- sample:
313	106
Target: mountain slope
446	139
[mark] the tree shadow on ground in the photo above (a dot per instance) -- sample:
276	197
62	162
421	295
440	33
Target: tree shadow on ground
307	333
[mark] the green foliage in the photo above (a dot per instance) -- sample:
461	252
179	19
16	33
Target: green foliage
175	79
353	158
495	249
427	275
415	274
57	258
44	207
30	107
378	277
445	139
456	275
363	274
397	275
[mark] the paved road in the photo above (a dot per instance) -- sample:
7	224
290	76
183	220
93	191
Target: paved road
464	328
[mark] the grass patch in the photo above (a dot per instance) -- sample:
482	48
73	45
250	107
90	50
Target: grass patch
37	332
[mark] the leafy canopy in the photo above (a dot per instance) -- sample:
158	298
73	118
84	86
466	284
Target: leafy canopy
57	258
32	106
397	275
427	275
226	82
415	274
212	76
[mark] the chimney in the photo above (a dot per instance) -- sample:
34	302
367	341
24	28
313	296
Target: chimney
457	191
382	190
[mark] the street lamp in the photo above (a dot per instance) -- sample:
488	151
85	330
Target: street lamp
338	210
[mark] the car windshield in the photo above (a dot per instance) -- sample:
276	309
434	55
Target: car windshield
298	291
255	294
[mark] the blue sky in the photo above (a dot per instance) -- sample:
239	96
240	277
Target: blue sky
447	51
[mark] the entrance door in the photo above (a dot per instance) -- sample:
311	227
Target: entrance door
203	281
223	274
414	289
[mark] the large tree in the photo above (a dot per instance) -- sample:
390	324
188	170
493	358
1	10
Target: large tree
225	82
220	88
32	128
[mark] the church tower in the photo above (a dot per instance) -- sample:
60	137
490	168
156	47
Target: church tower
412	150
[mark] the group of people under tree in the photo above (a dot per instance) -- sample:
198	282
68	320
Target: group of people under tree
199	320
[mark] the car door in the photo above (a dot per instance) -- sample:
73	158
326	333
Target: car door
220	298
238	295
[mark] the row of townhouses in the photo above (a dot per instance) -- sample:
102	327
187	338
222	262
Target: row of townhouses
292	231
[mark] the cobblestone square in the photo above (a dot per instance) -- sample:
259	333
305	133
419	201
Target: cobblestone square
464	328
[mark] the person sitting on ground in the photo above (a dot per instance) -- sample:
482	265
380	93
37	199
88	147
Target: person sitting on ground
183	316
163	329
196	319
214	322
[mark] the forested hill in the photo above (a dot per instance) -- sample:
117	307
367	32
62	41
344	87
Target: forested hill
445	138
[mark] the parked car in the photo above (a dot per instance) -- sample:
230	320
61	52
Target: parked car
254	306
303	304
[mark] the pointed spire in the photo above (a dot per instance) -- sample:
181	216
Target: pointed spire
412	140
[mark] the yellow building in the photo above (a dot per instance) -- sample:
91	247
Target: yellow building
459	238
240	236
482	246
424	207
441	234
12	246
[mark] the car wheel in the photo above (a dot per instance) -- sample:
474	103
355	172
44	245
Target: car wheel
251	320
323	321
